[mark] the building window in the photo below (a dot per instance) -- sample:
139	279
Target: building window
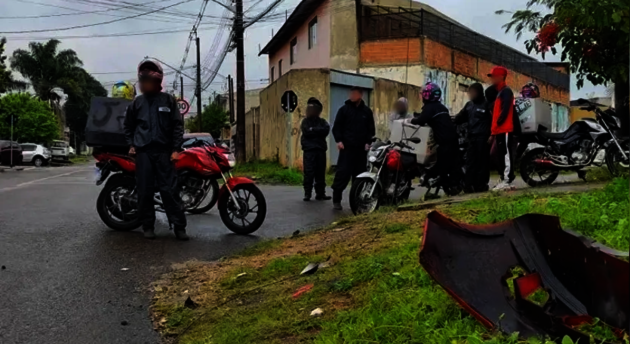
279	68
312	33
293	50
271	74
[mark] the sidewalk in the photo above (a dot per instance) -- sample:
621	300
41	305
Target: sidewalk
571	187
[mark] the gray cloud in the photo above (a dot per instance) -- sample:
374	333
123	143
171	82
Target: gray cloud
114	54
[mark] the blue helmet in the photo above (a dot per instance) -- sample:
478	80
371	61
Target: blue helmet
431	92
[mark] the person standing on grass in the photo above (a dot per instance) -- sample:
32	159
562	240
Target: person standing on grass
479	120
314	146
154	130
505	128
353	131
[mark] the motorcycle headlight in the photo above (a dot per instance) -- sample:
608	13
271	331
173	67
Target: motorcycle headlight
618	121
372	158
231	160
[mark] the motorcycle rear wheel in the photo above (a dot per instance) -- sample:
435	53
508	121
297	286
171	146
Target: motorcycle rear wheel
213	194
238	221
529	169
108	200
614	159
359	203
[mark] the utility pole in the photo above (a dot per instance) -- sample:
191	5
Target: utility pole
198	88
231	99
181	87
240	83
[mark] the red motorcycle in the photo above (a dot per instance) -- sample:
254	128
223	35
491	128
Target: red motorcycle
241	204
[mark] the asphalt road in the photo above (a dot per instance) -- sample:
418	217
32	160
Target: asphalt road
62	279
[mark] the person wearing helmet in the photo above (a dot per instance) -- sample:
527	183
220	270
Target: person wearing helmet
435	115
154	130
530	90
506	126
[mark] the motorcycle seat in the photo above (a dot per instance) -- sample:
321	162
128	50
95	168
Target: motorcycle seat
552	136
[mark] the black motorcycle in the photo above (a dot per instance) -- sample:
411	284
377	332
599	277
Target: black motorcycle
576	148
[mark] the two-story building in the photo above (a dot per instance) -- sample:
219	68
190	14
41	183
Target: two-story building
390	49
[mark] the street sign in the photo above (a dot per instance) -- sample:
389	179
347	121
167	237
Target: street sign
183	106
289	101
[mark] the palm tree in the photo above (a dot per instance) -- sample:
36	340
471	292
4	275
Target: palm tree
7	83
48	71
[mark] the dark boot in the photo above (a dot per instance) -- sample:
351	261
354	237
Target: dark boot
149	233
180	234
323	197
307	196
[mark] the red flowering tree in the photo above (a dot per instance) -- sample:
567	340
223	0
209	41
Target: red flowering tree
592	34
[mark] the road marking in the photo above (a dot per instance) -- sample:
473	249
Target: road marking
42	179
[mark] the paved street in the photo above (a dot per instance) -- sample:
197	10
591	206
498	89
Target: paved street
62	281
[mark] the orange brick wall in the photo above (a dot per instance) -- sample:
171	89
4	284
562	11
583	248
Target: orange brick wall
436	55
391	51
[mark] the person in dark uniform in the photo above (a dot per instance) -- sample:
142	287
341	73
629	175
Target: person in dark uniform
314	146
435	115
479	120
154	130
353	131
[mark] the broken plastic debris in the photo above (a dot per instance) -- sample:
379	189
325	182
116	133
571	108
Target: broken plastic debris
302	291
317	312
189	303
310	269
241	274
124	269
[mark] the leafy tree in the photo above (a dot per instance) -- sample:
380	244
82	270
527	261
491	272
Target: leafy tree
594	36
78	104
36	121
214	119
7	83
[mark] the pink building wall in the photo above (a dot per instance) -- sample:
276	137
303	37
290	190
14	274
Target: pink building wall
316	57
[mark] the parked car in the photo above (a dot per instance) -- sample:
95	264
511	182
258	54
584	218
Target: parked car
35	154
60	150
6	149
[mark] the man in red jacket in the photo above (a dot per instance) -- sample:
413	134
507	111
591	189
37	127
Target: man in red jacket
505	127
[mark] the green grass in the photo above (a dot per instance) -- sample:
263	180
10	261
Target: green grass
378	293
269	172
79	159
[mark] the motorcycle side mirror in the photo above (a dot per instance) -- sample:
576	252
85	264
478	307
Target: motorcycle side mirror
583	101
415	140
374	139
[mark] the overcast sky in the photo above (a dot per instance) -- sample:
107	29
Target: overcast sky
105	57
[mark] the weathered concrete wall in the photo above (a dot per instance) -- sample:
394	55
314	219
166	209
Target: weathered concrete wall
344	48
279	134
414	75
252	133
385	94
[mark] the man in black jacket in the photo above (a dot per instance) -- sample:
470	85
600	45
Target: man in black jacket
353	131
154	130
479	120
435	115
314	144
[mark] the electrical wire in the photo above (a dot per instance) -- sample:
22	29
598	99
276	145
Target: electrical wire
75	13
96	24
127	34
193	33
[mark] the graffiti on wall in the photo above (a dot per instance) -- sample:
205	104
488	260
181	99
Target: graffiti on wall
453	88
559	118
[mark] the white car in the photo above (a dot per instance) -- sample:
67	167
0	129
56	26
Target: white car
35	154
60	149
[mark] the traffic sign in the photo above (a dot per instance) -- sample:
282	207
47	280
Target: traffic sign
289	101
183	106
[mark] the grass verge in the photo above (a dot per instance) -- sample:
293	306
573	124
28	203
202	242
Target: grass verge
373	289
269	172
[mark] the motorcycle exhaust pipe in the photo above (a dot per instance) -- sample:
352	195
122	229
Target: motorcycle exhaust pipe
550	163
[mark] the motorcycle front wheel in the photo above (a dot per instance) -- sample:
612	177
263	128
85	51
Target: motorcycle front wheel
533	174
614	159
113	206
360	200
209	200
250	213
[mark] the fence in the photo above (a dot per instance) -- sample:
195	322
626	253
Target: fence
386	23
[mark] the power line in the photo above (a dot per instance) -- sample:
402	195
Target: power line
75	13
101	23
170	31
193	33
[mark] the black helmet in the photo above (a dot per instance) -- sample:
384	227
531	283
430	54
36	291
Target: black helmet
150	69
530	90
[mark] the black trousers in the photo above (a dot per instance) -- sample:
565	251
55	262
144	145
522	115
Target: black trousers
351	163
448	164
314	171
156	168
477	165
506	148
